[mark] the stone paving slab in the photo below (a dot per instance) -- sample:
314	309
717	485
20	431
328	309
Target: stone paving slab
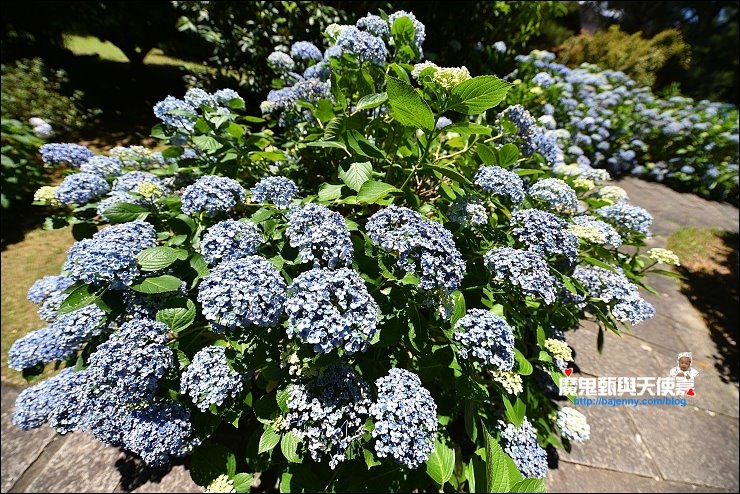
690	445
615	444
572	477
19	449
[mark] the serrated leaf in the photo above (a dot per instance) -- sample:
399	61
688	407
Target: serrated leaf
529	485
407	106
282	399
333	128
370	101
330	192
355	174
243	482
497	478
207	143
478	94
158	284
78	298
289	447
178	314
441	463
268	440
123	212
160	257
372	191
468	128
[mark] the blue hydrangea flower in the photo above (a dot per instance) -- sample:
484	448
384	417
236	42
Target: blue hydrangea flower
329	412
58	341
160	430
613	288
627	217
226	96
424	247
365	46
81	188
499	46
500	182
306	51
320	235
542	79
596	231
277	190
281	62
34	404
545	143
209	380
544	233
103	166
443	122
374	25
242	293
485	338
212	194
557	194
523	268
405	417
468	209
320	71
331	309
56	153
130	181
197	97
524	121
520	443
47	287
110	255
176	113
229	240
137	157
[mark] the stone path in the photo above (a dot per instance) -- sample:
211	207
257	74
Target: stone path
643	449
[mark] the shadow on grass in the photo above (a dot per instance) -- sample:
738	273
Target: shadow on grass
715	295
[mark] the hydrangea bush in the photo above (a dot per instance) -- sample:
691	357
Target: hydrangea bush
342	292
615	124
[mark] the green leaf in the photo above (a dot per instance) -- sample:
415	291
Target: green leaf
529	485
441	463
598	263
123	212
324	110
450	173
268	440
468	128
514	413
355	174
282	399
407	106
330	192
486	154
243	482
79	297
333	128
207	143
289	447
525	367
371	101
370	460
160	257
177	314
328	144
459	309
478	94
362	146
158	284
372	191
497	478
508	154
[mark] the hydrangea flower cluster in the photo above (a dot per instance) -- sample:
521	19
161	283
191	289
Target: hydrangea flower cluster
56	153
595	231
664	256
468	209
374	25
242	293
559	349
306	51
331	309
405	417
573	424
103	166
419	28
520	443
81	188
222	483
424	247
523	120
329	412
613	193
362	44
280	62
110	255
34	404
500	182
486	339
212	194
544	233
176	113
158	431
526	269
510	381
209	380
58	341
229	240
277	190
557	194
615	289
47	287
130	181
627	217
320	235
137	157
